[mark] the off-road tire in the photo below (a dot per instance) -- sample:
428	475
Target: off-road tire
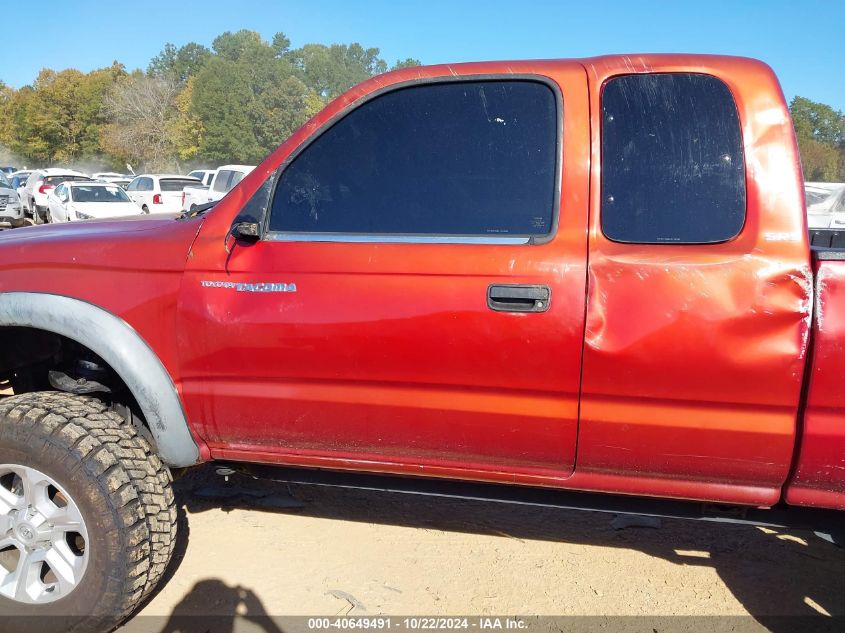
123	491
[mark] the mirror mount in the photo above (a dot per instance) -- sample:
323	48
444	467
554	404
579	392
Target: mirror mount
245	232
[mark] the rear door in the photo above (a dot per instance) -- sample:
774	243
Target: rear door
140	191
57	203
416	303
699	300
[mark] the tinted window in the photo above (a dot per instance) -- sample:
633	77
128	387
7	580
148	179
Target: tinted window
458	158
221	183
176	184
673	168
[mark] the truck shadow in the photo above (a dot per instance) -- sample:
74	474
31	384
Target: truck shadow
234	608
211	606
788	581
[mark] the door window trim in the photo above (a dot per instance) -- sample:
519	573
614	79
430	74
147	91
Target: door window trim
418	238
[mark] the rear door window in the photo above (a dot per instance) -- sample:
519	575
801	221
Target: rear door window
176	184
673	169
221	183
237	176
462	158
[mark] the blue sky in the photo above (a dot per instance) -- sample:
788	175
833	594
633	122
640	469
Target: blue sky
803	41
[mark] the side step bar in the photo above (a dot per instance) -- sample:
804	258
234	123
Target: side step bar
780	516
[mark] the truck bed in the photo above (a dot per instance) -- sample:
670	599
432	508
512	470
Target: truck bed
826	239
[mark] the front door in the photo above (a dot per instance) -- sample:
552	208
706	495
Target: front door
416	301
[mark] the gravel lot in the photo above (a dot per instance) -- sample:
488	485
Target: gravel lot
334	552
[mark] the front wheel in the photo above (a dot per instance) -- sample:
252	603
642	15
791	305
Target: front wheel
87	519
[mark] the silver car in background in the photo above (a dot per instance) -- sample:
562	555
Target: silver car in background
11	211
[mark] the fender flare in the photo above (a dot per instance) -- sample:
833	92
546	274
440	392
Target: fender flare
117	343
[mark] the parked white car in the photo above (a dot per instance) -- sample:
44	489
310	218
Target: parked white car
72	201
159	193
11	212
205	175
223	182
38	186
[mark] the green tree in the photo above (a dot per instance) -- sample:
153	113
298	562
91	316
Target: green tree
61	118
330	70
820	162
247	98
182	63
220	101
817	121
242	44
820	131
165	62
408	62
235	101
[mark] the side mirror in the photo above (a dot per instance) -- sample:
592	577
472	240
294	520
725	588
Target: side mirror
246	231
242	232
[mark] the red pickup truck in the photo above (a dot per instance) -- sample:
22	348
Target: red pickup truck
592	275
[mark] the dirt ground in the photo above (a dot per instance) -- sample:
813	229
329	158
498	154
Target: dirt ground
250	549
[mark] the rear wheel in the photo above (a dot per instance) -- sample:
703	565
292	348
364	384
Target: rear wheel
87	518
145	209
